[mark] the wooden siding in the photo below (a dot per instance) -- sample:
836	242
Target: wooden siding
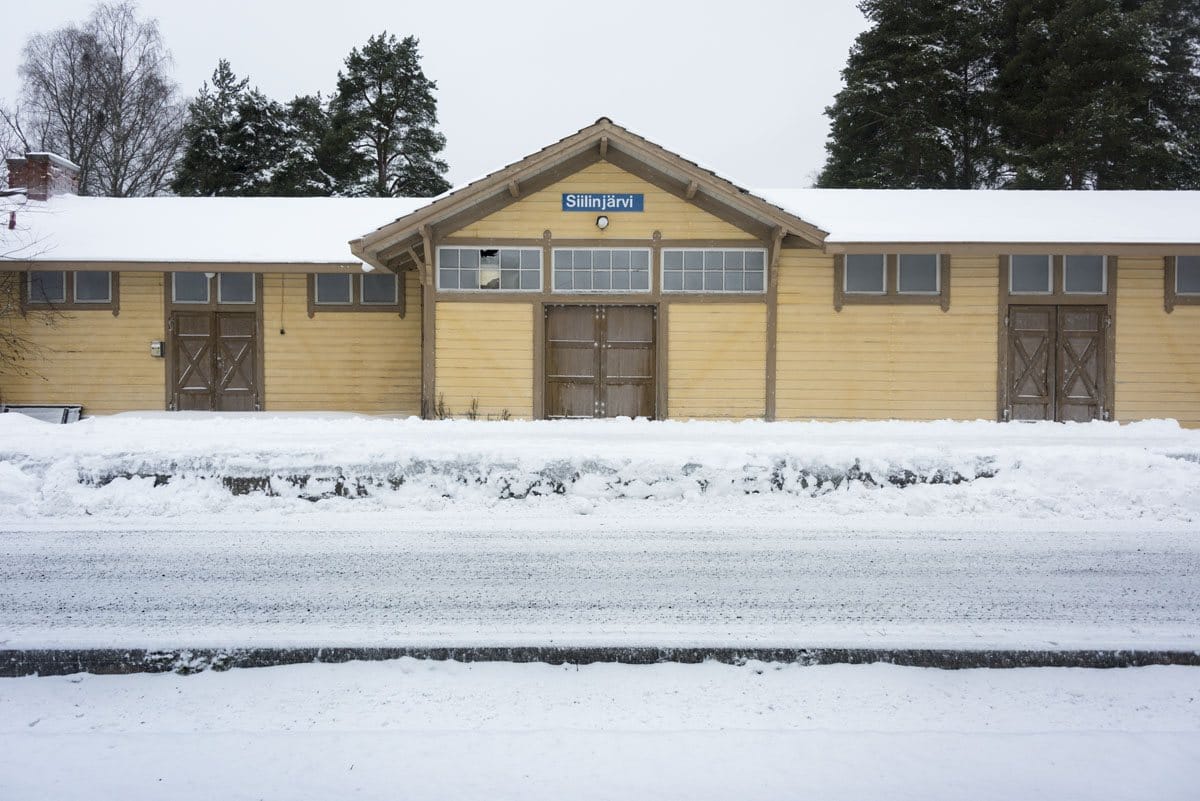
485	354
347	361
1158	354
883	361
91	357
716	360
530	216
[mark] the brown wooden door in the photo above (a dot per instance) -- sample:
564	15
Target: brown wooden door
1080	357
1056	362
600	361
1031	334
214	361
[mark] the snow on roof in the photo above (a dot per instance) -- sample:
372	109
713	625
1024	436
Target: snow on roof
318	230
200	229
928	215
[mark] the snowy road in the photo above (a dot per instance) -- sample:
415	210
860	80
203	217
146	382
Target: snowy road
382	579
438	730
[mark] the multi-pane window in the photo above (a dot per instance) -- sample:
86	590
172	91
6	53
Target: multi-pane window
518	269
866	273
713	270
1083	274
602	270
918	274
1187	275
189	287
83	288
1030	275
235	288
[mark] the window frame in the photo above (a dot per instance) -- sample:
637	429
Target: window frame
649	251
208	298
1050	275
70	301
1172	297
662	270
1058	293
437	269
356	303
1103	275
891	294
253	290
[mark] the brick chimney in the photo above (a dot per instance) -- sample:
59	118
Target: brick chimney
43	175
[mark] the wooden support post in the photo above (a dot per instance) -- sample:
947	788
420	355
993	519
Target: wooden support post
428	327
773	321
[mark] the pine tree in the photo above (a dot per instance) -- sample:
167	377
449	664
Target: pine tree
242	143
1100	93
385	108
208	165
916	111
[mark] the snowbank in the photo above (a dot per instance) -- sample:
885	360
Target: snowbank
170	464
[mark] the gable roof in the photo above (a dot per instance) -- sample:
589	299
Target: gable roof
237	230
603	140
991	216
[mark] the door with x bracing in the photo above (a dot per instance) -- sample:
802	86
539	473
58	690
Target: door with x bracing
1056	363
215	361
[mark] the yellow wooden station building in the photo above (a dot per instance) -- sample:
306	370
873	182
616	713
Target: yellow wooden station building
606	276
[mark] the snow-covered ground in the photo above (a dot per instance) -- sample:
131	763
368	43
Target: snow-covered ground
422	730
630	573
174	464
123	531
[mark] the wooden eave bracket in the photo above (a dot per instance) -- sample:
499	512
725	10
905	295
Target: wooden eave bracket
692	188
514	189
604	147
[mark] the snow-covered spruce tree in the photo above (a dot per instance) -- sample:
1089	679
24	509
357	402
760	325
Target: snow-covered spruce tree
916	110
385	107
207	166
1100	94
239	142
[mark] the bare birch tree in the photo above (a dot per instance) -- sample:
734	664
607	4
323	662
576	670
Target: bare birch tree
100	95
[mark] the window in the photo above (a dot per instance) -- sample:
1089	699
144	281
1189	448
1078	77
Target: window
918	274
891	278
363	292
93	286
83	289
380	289
1029	275
714	270
334	288
865	273
602	270
1083	275
1187	275
47	287
473	269
189	287
235	288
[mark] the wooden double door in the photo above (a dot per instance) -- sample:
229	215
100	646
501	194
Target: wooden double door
1057	362
215	361
600	361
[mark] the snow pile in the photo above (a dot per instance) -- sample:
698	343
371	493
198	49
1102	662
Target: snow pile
179	463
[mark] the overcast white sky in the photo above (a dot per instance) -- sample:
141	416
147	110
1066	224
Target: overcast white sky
740	86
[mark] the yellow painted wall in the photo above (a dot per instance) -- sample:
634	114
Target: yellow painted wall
1158	354
485	353
881	362
357	361
716	360
673	216
91	357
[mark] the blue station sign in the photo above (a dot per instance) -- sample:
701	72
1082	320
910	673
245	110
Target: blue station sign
603	201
